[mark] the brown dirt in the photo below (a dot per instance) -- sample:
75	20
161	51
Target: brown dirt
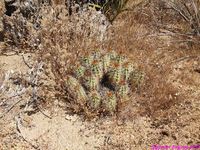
166	112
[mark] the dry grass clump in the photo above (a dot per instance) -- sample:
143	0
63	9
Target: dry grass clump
189	11
178	19
157	94
111	8
27	32
19	32
64	39
155	97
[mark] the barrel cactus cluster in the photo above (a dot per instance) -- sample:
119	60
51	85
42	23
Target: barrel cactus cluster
100	81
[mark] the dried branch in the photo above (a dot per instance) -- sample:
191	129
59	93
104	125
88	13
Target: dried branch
9	109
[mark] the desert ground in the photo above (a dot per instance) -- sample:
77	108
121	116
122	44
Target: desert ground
36	110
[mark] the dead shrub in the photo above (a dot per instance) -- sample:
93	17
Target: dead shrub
64	40
156	96
178	19
19	32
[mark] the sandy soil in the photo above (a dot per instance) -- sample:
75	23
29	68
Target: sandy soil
69	132
52	128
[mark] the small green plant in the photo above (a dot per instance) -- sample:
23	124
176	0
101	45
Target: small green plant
100	81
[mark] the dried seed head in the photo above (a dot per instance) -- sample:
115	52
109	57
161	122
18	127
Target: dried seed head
116	66
88	73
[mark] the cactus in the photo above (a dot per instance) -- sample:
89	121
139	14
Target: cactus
86	60
94	99
76	89
81	95
106	62
110	102
115	74
120	59
93	68
97	68
79	71
112	55
71	81
123	89
91	82
96	55
127	68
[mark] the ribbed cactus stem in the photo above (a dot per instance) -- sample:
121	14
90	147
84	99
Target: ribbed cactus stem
81	94
79	71
123	89
119	59
71	81
111	102
136	77
86	60
106	62
76	89
127	68
94	99
115	74
90	81
112	55
97	68
96	54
